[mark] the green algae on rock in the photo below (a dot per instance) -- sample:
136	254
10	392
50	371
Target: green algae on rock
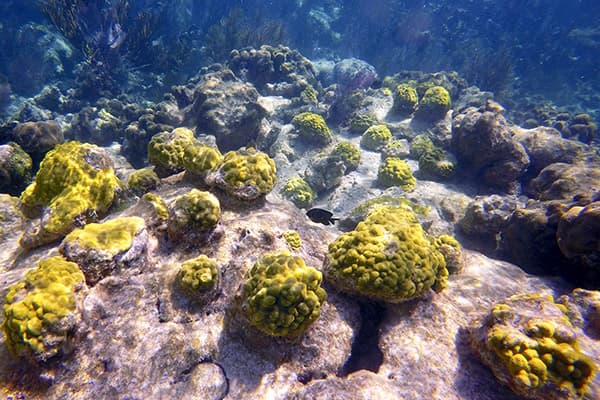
75	181
100	249
42	310
387	257
281	295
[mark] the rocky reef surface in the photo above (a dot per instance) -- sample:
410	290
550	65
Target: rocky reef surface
463	252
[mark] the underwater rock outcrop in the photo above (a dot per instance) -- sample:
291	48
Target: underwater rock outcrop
15	168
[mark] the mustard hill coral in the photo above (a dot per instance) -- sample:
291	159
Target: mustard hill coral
166	150
360	122
281	295
298	191
434	104
396	172
530	344
200	158
158	211
195	212
245	174
142	181
313	128
43	309
433	162
405	99
292	239
74	181
375	137
348	153
100	249
387	257
198	277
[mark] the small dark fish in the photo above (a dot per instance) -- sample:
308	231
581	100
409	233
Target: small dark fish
321	216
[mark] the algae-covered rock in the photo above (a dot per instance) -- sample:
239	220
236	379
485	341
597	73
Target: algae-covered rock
531	346
281	295
246	174
43	310
387	257
75	183
102	249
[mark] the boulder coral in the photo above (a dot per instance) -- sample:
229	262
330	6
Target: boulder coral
387	257
348	153
194	213
198	277
531	346
282	296
245	174
166	150
434	104
396	172
405	99
312	128
375	137
43	309
75	183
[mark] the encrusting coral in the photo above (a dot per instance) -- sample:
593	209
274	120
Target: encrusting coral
281	295
246	174
43	309
74	181
292	239
387	257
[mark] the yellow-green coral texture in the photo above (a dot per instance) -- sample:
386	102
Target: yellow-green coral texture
247	173
142	181
396	172
434	104
114	236
298	192
282	296
313	128
387	257
198	276
348	153
292	239
543	355
37	308
70	186
405	99
375	137
200	158
195	211
167	149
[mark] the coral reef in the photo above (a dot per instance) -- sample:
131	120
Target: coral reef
387	257
375	137
433	161
75	182
103	248
312	128
37	138
360	122
396	172
405	99
281	295
298	192
200	158
292	239
246	174
42	310
166	150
